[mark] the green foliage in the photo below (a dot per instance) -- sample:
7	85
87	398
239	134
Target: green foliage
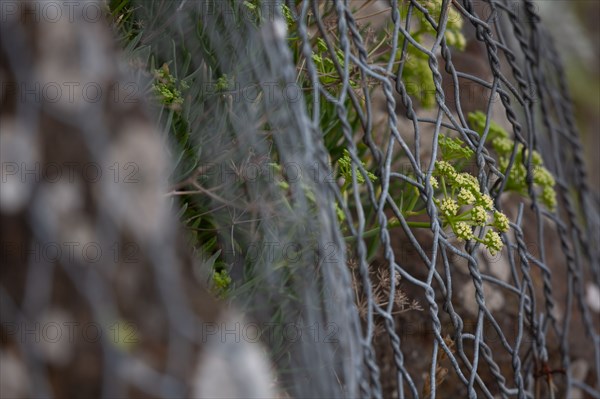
417	73
465	209
453	33
326	67
123	17
221	282
327	61
345	170
516	181
224	83
478	119
174	107
418	77
454	148
167	88
287	14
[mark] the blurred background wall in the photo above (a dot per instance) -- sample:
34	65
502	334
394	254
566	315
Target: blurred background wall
575	25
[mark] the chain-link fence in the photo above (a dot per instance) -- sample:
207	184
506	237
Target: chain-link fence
393	194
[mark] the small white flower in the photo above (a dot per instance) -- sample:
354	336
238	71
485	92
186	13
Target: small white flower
467	181
465	197
434	182
445	169
487	202
449	206
500	221
493	241
479	215
463	231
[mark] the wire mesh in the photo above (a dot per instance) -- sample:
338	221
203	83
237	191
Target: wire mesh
311	134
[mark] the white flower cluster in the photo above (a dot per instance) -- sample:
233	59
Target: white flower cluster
461	191
479	215
516	178
463	231
465	197
449	207
492	241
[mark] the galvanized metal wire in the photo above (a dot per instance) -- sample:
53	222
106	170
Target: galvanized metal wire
519	324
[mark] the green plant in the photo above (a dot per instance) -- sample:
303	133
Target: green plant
516	180
345	172
122	15
465	209
176	110
167	88
416	72
221	282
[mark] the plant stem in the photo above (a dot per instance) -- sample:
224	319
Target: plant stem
444	187
413	200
